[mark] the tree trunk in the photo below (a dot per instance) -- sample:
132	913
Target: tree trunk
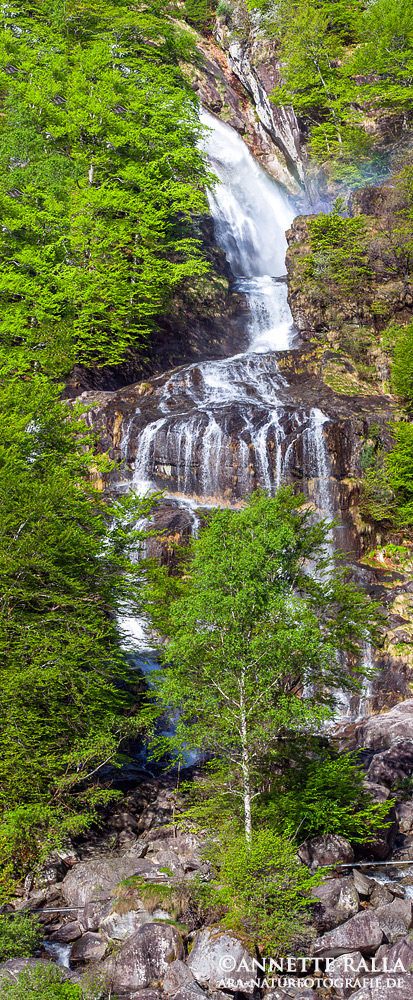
245	771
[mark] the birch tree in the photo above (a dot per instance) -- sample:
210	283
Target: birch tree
257	645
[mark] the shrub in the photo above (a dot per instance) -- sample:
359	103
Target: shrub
41	983
261	890
19	936
327	796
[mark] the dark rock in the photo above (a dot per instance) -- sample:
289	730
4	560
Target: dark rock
331	849
339	900
361	933
67	932
89	948
393	765
169	861
145	957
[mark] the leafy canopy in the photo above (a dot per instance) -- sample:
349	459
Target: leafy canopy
100	175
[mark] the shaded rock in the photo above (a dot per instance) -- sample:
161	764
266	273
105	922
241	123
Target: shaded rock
339	900
404	813
89	948
395	919
379	732
332	849
95	880
145	957
379	793
215	961
67	932
50	874
361	933
393	765
396	889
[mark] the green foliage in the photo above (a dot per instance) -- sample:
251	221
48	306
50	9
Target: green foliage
66	692
399	463
99	177
19	936
260	890
325	794
42	982
198	12
343	61
339	251
248	630
402	368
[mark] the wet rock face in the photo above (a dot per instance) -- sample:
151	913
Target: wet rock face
175	432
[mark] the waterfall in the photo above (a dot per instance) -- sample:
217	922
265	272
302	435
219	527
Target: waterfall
222	428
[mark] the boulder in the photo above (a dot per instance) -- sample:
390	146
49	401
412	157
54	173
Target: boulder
391	766
380	895
361	933
329	850
144	958
89	948
119	926
379	732
338	899
215	961
96	880
363	884
145	995
404	813
67	933
395	919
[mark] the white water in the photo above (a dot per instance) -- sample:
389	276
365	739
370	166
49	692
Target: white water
225	427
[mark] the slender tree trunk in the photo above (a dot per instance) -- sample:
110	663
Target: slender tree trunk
245	770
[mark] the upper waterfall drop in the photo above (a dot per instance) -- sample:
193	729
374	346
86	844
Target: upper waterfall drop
251	215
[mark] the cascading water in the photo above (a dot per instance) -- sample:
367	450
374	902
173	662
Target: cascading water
222	428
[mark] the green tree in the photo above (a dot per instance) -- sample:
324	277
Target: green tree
256	644
67	696
339	251
19	936
100	175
